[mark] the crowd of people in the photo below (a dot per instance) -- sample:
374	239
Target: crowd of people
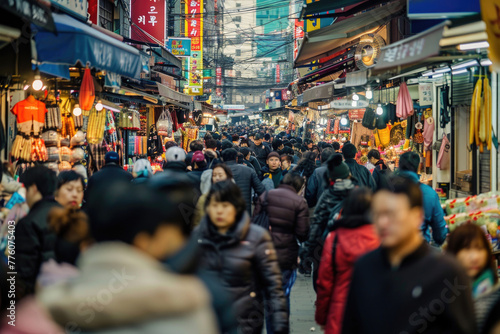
214	243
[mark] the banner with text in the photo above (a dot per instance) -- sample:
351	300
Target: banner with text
179	46
149	15
194	30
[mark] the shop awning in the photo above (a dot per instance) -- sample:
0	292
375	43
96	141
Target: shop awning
31	11
8	34
325	6
326	41
319	93
76	42
173	95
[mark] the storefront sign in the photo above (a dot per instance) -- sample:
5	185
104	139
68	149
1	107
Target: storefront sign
347	104
150	17
356	78
233	107
432	9
491	16
356	114
31	11
278	74
194	29
179	47
319	93
426	97
298	34
411	50
218	76
74	7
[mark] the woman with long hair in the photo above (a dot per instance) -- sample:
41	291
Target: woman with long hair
242	255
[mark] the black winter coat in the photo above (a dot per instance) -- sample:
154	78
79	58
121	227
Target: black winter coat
316	185
35	243
288	220
246	179
361	174
245	261
261	152
379	172
176	166
108	175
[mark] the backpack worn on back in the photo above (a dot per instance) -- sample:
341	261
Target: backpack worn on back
262	219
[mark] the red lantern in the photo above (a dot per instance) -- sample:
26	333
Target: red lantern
87	91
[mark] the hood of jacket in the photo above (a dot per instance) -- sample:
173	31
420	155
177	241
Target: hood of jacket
121	286
234	235
354	242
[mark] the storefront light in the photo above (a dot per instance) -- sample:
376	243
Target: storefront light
466	64
99	106
77	111
486	62
354	103
437	75
472	46
344	121
436	71
459	71
38	83
355	97
379	111
369	93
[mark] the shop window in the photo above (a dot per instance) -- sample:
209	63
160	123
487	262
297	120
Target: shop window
106	9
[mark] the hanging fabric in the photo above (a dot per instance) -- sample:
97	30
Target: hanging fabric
443	161
87	91
404	105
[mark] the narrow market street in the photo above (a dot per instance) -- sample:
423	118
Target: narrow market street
302	307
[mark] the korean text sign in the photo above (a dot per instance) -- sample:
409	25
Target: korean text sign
194	30
149	15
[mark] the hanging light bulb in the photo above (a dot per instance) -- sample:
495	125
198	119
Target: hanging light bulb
355	97
38	83
354	103
99	106
380	111
369	94
77	111
344	121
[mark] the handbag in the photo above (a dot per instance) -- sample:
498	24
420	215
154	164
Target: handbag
443	161
262	219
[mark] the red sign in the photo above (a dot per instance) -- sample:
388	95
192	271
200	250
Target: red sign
218	76
149	15
298	34
356	114
93	9
278	74
193	23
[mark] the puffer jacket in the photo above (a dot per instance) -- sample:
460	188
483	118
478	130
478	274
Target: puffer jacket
288	220
355	237
316	185
246	179
121	290
361	174
245	261
328	206
35	243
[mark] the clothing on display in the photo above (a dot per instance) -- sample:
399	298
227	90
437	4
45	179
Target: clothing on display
30	115
358	130
198	117
404	105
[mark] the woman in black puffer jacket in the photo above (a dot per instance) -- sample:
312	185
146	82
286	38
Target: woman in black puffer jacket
243	256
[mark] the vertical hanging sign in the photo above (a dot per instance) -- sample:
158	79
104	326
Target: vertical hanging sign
278	74
218	82
149	15
298	34
194	30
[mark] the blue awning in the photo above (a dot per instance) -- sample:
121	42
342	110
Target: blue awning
75	42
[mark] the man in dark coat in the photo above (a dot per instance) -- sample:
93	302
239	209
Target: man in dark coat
250	160
175	157
34	240
244	176
360	173
261	151
380	169
111	172
272	170
418	289
317	183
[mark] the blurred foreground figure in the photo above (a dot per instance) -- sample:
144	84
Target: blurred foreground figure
242	255
404	286
122	286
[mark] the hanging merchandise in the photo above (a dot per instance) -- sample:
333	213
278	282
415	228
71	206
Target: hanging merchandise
155	147
397	134
53	119
383	137
429	128
68	126
198	117
484	118
164	125
444	112
87	91
369	119
95	130
404	105
29	149
130	120
111	133
419	137
443	161
30	115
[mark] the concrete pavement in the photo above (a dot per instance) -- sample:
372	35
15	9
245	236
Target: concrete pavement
302	307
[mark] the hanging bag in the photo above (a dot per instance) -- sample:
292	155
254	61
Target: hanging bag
262	219
443	161
369	119
164	125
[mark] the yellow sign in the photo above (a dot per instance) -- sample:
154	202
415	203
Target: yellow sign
490	10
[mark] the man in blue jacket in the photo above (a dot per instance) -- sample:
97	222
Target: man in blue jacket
434	215
317	183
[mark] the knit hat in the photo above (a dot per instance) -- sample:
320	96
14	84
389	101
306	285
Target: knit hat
226	144
409	161
111	157
349	151
198	156
175	154
337	168
273	155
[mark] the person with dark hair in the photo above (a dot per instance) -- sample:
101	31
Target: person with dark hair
306	165
318	182
34	239
212	156
469	245
244	177
351	237
360	174
278	145
329	206
236	140
308	143
289	222
424	291
243	256
380	169
128	255
336	147
170	144
434	215
111	172
227	144
199	165
286	163
250	160
260	150
70	187
272	173
244	142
